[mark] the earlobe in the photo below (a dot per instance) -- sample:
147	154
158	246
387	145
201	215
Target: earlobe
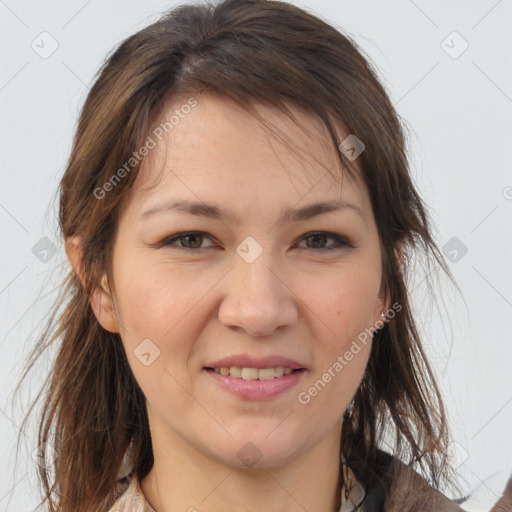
381	315
101	300
381	309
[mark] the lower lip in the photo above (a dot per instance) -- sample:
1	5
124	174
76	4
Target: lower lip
257	389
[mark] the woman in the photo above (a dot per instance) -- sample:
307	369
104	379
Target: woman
240	219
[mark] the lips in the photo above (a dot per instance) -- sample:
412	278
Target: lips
249	388
245	361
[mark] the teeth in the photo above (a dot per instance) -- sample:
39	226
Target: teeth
254	373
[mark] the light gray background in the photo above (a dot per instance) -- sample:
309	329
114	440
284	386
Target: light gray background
458	111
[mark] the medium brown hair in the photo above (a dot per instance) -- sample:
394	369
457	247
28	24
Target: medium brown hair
253	52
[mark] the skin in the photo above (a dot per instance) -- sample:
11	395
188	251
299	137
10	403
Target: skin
296	300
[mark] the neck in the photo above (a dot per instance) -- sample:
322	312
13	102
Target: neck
185	478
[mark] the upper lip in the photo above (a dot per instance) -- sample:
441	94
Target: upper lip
245	361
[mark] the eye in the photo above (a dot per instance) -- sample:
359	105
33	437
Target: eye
192	240
318	238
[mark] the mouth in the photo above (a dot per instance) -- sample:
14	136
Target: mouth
255	384
238	372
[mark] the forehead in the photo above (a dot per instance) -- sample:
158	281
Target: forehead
218	149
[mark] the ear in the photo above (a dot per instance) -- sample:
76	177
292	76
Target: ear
101	299
382	305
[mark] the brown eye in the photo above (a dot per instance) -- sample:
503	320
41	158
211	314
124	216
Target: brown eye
318	240
188	241
193	241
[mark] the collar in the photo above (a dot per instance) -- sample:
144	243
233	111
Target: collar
352	491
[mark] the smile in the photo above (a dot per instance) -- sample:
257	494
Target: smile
238	372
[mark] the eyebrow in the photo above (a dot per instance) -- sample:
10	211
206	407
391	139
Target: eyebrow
201	209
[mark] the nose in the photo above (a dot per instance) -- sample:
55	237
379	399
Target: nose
257	299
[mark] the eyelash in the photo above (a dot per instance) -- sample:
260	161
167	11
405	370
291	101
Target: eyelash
341	242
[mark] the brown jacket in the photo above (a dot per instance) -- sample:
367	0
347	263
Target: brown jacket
410	492
505	502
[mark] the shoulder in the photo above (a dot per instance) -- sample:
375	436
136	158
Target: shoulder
410	488
408	492
504	504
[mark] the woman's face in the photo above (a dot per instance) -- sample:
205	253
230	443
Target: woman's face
253	287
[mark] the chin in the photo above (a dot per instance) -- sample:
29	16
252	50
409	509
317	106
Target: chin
256	451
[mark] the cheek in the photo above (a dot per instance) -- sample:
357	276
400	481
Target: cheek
143	305
167	306
345	301
160	306
152	298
